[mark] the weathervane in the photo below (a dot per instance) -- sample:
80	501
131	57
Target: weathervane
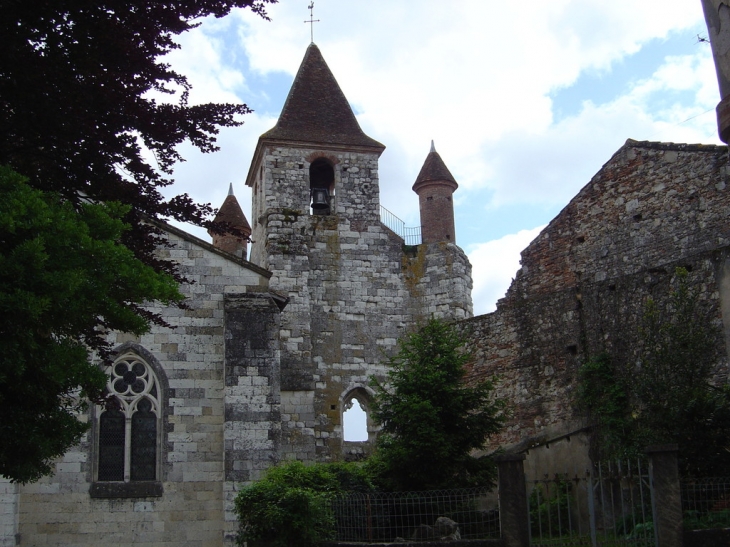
311	20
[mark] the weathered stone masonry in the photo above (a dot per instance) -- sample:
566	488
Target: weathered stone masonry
584	279
267	354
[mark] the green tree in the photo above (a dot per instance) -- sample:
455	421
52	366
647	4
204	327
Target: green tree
432	419
81	118
65	280
668	396
290	506
604	393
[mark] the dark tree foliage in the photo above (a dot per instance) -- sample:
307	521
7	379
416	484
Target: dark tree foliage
432	419
76	111
63	277
78	119
668	396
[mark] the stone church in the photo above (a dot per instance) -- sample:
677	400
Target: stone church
270	352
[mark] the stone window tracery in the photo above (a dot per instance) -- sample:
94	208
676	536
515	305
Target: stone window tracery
128	435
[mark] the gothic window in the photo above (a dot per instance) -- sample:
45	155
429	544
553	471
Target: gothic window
128	435
355	421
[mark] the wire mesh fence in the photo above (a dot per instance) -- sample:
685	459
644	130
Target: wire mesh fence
706	503
608	505
385	517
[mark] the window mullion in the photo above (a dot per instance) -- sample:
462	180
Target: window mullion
127	448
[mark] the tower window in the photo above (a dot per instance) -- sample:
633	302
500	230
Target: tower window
321	186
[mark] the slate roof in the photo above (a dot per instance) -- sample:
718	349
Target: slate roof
316	110
232	213
434	169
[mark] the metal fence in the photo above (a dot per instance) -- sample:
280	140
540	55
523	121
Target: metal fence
409	235
706	503
385	517
608	505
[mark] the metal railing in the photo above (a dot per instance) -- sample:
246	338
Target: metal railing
386	517
706	503
409	235
608	505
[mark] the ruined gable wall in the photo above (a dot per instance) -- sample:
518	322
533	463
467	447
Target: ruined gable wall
585	278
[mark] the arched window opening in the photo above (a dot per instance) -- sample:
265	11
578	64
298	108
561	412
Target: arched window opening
129	434
321	186
355	421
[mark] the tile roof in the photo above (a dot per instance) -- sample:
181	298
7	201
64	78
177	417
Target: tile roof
316	110
231	213
434	169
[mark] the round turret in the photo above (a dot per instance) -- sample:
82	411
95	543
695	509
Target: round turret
435	186
231	214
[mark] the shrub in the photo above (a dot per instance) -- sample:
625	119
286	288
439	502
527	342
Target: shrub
291	505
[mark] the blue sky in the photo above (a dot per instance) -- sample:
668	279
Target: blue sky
525	101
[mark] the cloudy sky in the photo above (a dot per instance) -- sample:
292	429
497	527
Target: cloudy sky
525	100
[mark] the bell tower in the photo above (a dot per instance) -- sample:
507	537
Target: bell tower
316	161
316	227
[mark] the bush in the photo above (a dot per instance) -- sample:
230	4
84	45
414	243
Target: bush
291	505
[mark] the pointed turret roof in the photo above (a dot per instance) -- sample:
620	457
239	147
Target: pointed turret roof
231	213
316	110
434	169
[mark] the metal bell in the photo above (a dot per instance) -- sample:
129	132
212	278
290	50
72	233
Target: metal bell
320	198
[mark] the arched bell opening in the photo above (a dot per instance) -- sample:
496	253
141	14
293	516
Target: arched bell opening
321	186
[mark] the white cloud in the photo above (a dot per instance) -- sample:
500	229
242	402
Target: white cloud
494	265
477	76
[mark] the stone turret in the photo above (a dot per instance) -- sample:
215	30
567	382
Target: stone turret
231	214
435	186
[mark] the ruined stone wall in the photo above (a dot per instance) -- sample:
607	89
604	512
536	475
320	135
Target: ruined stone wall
584	280
187	508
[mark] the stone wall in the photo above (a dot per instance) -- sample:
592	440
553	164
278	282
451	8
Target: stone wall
584	280
8	512
189	360
354	288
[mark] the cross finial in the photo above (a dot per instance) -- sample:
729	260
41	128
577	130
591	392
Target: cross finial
311	21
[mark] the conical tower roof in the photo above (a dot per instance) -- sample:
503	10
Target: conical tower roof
434	169
231	213
316	110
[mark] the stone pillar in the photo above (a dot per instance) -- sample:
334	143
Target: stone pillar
717	17
513	510
8	512
252	393
666	502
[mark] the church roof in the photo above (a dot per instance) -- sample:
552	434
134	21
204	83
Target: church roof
316	110
231	213
434	169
